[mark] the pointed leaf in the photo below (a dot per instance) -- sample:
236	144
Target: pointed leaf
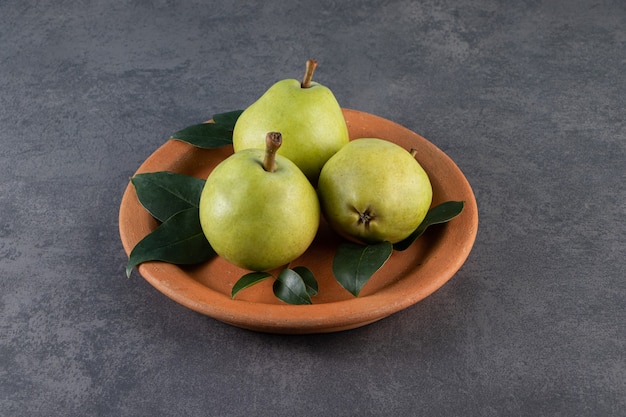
164	193
290	288
179	240
442	213
248	280
210	135
228	119
355	264
205	135
308	278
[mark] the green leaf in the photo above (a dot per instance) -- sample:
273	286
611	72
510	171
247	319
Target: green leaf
308	278
179	240
355	264
290	288
205	135
210	135
442	213
248	280
228	119
164	193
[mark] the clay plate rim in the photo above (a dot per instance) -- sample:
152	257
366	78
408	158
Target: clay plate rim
409	283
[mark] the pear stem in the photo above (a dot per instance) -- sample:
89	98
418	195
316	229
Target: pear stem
311	64
413	152
273	140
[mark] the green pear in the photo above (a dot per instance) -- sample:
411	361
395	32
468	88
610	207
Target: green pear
306	114
258	210
373	190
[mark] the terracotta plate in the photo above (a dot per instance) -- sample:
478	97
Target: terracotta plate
405	279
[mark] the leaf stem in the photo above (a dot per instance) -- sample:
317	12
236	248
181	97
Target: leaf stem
311	64
273	140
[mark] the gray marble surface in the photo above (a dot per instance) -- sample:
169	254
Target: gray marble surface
527	97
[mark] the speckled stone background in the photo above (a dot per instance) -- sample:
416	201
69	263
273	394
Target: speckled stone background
527	97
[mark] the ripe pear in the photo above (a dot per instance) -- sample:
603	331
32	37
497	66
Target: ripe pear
373	190
258	210
306	114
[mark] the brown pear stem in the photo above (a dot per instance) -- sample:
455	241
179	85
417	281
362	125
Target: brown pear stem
311	64
273	140
413	152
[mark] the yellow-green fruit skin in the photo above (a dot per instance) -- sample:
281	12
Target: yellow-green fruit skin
256	219
310	120
378	179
